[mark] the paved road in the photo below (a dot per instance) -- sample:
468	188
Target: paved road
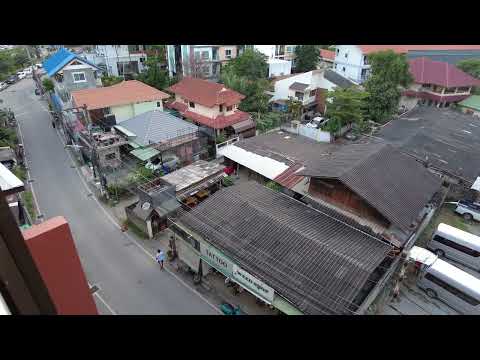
130	281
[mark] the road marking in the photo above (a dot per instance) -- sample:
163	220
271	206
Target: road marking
96	293
132	239
35	200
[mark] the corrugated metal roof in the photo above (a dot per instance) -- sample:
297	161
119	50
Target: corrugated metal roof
472	102
9	183
62	57
193	174
297	86
317	262
337	79
155	126
144	154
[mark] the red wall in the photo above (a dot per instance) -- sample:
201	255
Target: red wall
53	250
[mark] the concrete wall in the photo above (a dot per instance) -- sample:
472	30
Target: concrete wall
125	112
69	83
353	63
279	68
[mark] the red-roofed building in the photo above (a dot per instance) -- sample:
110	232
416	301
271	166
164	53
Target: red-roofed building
351	61
212	106
438	83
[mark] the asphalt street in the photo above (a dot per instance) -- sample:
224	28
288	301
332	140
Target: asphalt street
130	281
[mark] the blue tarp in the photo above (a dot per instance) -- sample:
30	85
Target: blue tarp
62	57
57	103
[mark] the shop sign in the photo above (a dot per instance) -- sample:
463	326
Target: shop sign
216	259
253	284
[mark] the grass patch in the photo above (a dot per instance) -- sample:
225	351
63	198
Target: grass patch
444	215
135	229
28	200
20	172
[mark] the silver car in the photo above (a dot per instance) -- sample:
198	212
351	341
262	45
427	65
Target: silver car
469	210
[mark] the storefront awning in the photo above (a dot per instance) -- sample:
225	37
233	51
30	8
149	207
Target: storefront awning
145	154
243	125
285	307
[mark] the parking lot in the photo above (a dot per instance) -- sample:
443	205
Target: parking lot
413	300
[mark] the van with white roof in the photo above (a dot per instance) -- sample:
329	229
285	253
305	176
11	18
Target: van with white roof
457	245
441	280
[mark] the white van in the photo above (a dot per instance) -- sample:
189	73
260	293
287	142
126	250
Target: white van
457	245
445	282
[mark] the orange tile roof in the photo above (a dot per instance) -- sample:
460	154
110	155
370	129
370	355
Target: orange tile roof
205	92
126	92
327	54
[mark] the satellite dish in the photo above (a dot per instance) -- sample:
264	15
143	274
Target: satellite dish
146	206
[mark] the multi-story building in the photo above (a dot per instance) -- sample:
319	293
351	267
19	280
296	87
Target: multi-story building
120	60
351	61
211	106
199	61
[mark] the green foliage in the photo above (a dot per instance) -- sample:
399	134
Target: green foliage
347	106
154	75
48	85
227	181
28	200
117	191
220	138
20	172
470	66
307	57
141	175
135	229
273	186
8	137
254	90
12	61
294	108
268	121
251	65
111	80
390	72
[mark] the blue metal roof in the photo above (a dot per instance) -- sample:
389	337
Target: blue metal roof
62	57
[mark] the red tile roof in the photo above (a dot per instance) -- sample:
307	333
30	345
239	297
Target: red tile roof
327	54
288	177
126	92
205	92
367	49
220	122
427	71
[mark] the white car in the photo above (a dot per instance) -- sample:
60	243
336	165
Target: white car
38	66
469	210
21	75
3	85
28	71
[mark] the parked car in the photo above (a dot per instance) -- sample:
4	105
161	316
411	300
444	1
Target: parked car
469	210
21	75
3	85
317	122
38	91
38	66
28	71
12	79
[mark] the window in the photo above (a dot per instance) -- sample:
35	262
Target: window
313	92
229	108
289	49
110	156
220	108
365	60
346	55
338	51
79	77
343	69
191	104
142	60
205	55
299	95
228	53
456	246
460	294
159	104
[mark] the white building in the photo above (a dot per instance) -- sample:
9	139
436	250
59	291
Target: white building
277	67
351	62
119	60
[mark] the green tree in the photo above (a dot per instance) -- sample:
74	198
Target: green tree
294	108
268	121
254	90
389	73
154	75
307	57
251	65
48	85
111	80
345	106
470	66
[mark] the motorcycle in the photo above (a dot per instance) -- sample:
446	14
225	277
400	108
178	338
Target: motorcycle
229	309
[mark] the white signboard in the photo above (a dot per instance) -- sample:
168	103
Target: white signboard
252	284
216	259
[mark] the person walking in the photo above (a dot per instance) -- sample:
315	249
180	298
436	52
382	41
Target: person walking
160	258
